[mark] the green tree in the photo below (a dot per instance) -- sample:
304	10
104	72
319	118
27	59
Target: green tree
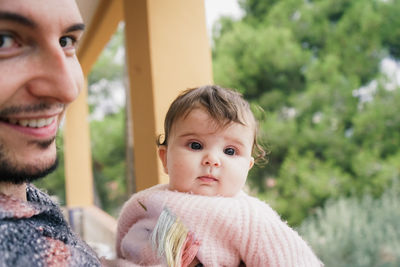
259	61
315	68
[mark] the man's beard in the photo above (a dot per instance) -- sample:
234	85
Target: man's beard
11	173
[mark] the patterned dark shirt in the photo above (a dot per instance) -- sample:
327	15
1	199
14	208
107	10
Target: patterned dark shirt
35	233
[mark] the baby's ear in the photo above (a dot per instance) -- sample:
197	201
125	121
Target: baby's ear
162	154
251	163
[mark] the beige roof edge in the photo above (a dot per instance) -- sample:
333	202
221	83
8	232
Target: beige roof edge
87	8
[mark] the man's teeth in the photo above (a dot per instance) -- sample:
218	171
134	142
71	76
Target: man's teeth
33	123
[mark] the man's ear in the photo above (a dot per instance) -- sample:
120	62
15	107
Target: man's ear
162	154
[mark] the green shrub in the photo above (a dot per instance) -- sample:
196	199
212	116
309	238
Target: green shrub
357	232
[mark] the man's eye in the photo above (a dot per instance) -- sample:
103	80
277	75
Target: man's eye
67	41
6	41
230	151
195	146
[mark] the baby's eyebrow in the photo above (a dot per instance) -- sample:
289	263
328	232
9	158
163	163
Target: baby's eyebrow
235	141
17	18
187	134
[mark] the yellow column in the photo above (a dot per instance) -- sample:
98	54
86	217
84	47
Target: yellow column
77	154
168	51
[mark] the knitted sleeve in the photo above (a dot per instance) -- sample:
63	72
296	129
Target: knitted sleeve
271	242
133	211
229	229
240	228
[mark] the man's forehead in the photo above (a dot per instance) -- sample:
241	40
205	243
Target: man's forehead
43	13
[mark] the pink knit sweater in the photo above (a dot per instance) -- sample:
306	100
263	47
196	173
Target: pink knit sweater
229	229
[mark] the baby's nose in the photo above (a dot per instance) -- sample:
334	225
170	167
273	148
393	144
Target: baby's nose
211	160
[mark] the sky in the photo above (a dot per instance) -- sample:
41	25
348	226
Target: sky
218	8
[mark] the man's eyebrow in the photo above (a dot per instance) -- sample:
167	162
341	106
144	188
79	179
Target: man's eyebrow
14	17
76	27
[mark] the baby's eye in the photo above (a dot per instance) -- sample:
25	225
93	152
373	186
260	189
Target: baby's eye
67	41
230	151
195	146
6	41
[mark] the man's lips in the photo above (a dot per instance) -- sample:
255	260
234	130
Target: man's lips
44	127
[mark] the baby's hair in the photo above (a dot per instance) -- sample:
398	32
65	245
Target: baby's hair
224	106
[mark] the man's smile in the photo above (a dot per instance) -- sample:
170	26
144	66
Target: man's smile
32	123
44	127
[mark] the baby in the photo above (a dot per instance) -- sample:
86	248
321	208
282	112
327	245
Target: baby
210	144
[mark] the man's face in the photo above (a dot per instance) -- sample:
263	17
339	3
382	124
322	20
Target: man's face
39	76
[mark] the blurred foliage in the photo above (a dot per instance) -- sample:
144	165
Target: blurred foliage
107	65
108	155
357	232
332	123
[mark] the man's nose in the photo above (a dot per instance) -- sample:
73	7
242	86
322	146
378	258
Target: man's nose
211	159
56	75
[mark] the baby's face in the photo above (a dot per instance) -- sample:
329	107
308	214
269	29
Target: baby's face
205	159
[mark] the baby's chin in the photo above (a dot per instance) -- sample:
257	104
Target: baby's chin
204	190
212	192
